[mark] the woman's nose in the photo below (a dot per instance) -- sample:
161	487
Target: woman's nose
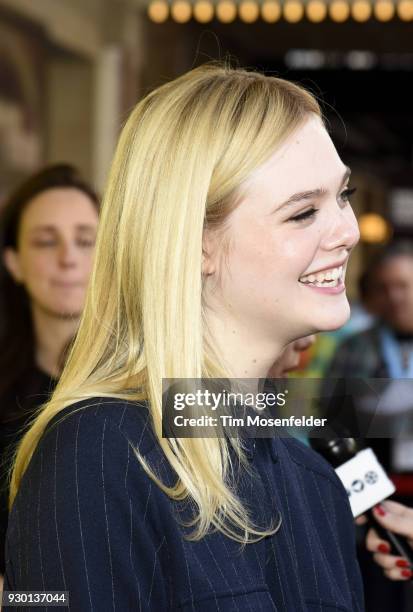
344	232
67	255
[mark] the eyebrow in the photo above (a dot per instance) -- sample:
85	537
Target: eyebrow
311	193
52	228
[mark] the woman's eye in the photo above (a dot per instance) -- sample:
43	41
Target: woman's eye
347	193
304	215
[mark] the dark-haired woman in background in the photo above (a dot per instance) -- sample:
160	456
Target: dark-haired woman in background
47	237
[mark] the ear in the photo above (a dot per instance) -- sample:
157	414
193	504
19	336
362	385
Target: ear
11	261
208	253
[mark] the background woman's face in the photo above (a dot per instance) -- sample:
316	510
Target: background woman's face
294	221
55	249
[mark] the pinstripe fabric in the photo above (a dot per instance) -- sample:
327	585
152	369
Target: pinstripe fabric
87	519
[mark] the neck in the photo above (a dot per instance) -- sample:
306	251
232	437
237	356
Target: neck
244	353
52	333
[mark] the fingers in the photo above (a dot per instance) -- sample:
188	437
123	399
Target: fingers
396	508
395	517
398	574
394	567
376	544
361	520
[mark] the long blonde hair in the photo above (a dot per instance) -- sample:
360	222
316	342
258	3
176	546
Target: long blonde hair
181	160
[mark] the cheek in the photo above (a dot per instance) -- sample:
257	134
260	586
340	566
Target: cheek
297	251
255	256
266	253
87	262
266	257
37	267
300	246
263	255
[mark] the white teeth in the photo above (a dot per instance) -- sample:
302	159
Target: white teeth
332	283
329	278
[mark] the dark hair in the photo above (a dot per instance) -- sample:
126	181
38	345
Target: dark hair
17	342
396	248
365	283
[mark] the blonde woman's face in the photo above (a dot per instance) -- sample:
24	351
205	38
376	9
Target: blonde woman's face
55	250
293	226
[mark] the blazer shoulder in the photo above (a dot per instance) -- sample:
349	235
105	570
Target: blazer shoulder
308	459
131	418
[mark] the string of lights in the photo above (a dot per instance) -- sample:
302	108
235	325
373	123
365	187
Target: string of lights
272	11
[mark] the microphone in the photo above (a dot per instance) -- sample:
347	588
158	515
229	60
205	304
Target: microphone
365	481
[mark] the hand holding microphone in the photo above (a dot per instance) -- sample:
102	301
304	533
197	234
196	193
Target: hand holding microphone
367	485
398	519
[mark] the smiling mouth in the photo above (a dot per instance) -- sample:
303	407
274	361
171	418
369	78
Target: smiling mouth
328	278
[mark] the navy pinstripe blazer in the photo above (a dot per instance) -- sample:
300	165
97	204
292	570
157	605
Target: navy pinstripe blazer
88	520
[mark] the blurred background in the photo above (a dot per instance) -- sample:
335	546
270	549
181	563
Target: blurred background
71	70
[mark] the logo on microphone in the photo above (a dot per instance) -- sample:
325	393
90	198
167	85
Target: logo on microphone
371	477
358	485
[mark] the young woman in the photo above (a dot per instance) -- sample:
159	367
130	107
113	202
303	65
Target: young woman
226	205
47	234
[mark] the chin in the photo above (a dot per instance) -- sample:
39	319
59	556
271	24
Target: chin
334	323
65	311
330	320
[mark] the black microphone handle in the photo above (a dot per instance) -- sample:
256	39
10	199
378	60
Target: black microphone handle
399	543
